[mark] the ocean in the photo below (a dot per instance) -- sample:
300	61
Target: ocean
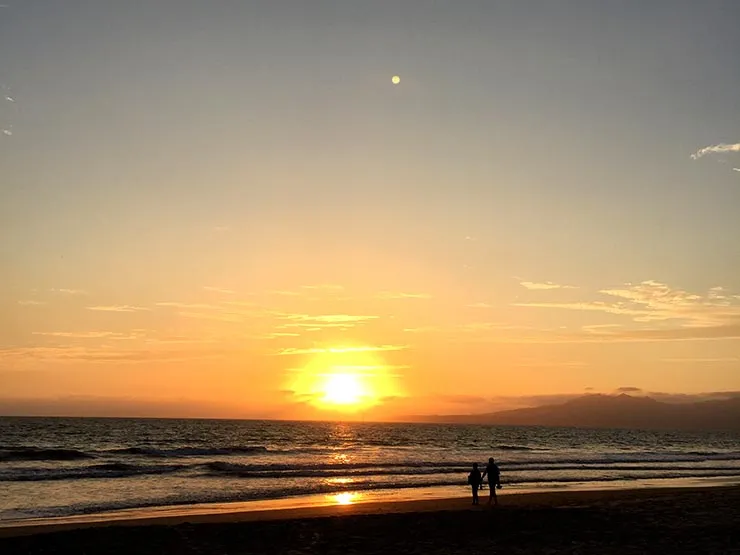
60	467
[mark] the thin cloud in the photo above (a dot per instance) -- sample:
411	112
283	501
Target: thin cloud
660	302
190	306
334	318
543	286
480	305
304	290
596	306
628	389
717	293
247	304
119	308
218	290
488	326
402	295
736	169
339	350
284	293
315	323
716	149
69	354
324	287
77	334
597	328
423	329
31	303
69	291
99	406
700	360
108	335
278	335
551	364
653	301
225	317
220	313
638	335
177	340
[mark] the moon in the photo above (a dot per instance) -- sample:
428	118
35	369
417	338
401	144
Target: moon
395	79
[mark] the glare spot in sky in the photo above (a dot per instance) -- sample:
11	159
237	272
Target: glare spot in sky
395	79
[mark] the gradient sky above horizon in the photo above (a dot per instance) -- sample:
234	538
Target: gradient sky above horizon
196	198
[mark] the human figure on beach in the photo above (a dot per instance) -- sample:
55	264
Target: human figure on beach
494	480
475	480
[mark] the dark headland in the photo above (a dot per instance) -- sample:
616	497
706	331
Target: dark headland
607	411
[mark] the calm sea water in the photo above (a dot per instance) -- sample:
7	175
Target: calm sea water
66	466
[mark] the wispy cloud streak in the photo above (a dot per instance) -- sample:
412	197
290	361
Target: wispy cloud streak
190	306
402	295
77	334
338	350
118	308
218	290
544	286
716	149
651	301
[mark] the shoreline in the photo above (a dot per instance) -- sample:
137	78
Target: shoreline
232	513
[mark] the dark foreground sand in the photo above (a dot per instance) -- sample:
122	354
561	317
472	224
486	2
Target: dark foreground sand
702	520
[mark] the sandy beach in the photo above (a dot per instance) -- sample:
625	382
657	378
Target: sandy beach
682	520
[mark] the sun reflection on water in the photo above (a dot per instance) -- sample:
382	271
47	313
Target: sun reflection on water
346	498
339	480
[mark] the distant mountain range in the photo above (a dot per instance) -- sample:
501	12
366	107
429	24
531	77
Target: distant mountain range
610	411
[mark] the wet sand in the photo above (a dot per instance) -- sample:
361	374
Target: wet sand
666	521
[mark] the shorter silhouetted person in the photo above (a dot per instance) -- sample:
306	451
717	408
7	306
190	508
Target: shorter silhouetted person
494	480
475	480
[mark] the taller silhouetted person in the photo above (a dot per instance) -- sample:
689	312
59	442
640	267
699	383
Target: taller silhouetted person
494	480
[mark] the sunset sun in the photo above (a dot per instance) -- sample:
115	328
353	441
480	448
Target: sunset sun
344	379
343	389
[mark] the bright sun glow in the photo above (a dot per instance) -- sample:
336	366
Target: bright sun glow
345	379
342	389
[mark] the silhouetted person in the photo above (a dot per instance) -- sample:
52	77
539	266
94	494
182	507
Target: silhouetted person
494	480
475	480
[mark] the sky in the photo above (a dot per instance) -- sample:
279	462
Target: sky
229	209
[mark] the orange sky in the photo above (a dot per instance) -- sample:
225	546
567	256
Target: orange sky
198	202
224	352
